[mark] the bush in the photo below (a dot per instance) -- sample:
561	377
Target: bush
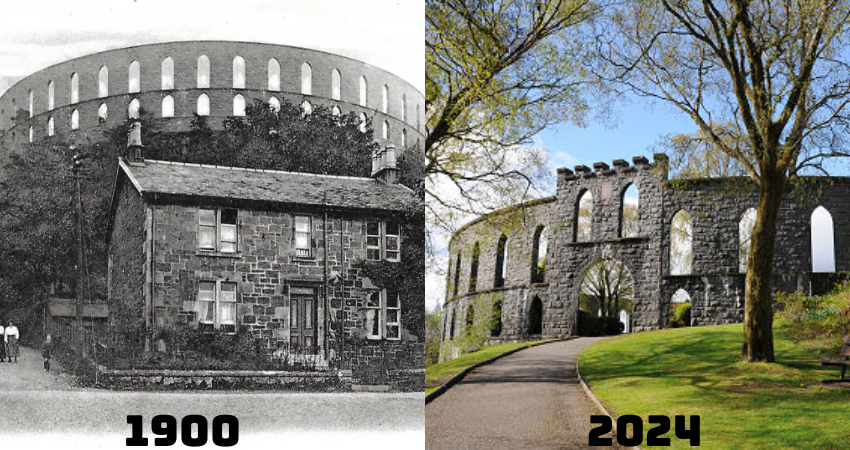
809	317
589	325
681	316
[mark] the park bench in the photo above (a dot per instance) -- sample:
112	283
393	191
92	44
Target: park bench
844	353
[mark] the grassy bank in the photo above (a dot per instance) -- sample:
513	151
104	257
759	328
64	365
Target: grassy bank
695	371
438	374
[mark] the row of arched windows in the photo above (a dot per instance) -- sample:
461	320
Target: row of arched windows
203	109
538	262
682	238
629	214
534	324
238	82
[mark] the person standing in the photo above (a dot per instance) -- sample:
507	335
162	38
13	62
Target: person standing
11	337
3	347
45	352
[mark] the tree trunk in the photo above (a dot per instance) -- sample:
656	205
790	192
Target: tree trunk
758	310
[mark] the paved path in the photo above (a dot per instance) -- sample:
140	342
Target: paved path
28	374
531	399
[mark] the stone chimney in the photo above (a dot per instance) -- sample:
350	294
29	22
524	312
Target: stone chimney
135	149
384	165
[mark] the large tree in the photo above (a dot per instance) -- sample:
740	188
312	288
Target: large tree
496	74
765	81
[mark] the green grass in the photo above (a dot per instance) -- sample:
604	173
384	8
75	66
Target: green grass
696	371
438	374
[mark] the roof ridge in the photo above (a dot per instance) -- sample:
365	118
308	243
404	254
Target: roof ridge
246	169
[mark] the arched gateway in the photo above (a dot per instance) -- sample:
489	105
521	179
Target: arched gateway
669	235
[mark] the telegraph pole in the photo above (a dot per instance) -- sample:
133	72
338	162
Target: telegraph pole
76	165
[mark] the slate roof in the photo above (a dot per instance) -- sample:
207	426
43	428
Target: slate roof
188	180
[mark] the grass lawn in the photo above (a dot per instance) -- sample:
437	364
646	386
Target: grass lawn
695	371
438	374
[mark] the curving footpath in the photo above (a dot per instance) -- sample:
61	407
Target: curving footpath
531	399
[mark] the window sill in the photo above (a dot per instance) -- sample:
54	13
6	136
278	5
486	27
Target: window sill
304	258
236	255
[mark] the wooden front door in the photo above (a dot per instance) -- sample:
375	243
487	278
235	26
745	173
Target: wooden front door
302	316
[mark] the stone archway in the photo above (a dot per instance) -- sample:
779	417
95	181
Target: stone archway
606	295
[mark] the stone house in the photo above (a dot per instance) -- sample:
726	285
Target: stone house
268	253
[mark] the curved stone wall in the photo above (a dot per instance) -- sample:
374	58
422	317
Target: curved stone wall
404	113
714	284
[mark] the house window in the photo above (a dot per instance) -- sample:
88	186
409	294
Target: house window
383	238
217	230
216	306
302	237
383	315
373	241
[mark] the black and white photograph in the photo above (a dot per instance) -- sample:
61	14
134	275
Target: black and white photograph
212	224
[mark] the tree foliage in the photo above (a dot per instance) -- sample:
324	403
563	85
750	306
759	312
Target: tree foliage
764	81
496	74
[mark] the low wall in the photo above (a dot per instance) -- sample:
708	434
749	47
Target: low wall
223	379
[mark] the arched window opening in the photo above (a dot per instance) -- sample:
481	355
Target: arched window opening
681	244
470	321
404	138
203	105
473	268
75	88
496	319
274	75
386	130
203	72
336	111
364	88
385	94
168	106
535	316
501	261
418	118
306	79
362	122
103	82
167	74
274	104
29	94
135	81
50	97
451	324
102	113
335	85
538	255
457	276
51	130
680	309
630	212
745	234
584	218
31	135
306	108
238	73
133	109
823	241
404	107
238	105
75	119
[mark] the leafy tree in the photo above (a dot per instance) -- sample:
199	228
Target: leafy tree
433	336
764	81
496	74
610	283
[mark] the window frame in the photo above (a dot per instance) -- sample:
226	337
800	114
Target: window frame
381	315
216	228
218	301
309	233
383	238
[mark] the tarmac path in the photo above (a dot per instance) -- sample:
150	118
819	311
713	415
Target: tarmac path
530	399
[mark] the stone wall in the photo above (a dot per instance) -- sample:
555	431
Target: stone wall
715	285
127	268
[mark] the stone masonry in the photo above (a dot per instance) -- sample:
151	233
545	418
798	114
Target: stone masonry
715	286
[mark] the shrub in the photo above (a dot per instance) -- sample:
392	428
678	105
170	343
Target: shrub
681	316
590	325
809	317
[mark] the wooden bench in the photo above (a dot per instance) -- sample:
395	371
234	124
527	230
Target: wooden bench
843	363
